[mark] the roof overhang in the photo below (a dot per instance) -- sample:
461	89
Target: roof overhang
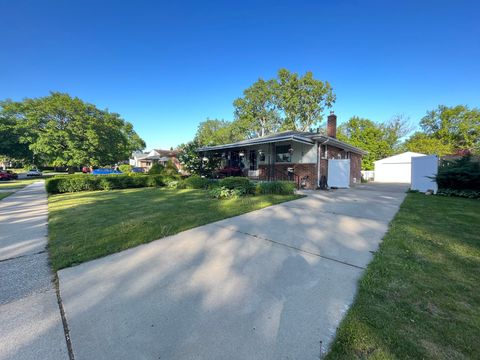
327	140
259	141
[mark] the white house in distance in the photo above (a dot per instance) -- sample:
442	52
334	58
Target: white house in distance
395	169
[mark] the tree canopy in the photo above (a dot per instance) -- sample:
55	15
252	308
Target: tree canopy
425	144
65	131
288	102
302	100
379	139
194	163
215	132
256	112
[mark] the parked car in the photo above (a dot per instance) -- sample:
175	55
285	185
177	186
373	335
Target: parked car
8	175
34	172
85	170
138	170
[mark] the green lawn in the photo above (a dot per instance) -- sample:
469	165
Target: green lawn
3	195
420	297
87	225
16	184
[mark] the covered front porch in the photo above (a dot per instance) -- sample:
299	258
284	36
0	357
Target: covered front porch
286	160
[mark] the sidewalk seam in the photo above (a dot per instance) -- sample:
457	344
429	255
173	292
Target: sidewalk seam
292	247
22	256
66	330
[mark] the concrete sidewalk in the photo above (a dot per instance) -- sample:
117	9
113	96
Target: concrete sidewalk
30	322
271	284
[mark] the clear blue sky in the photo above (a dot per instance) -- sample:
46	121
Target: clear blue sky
166	66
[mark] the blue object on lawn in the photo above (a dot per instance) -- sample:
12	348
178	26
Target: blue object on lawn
105	172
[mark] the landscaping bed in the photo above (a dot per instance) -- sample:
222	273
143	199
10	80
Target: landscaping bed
90	224
419	297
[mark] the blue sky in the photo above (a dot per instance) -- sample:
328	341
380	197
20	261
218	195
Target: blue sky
166	66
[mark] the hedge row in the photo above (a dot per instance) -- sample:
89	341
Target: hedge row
233	186
74	183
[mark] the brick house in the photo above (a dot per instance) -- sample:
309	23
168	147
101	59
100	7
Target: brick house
145	160
310	159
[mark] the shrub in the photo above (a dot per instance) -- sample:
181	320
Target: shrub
276	187
242	184
176	184
125	168
156	169
74	183
221	192
196	182
469	194
461	174
155	180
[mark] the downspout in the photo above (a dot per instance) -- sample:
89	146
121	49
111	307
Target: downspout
319	158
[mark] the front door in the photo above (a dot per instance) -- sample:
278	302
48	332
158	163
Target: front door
252	159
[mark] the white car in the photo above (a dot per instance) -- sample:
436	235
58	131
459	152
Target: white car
34	172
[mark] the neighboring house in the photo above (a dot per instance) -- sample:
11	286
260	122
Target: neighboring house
145	160
395	169
310	159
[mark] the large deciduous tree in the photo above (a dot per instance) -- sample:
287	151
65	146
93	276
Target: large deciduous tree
65	131
457	127
302	100
366	135
256	113
215	132
289	102
426	144
194	162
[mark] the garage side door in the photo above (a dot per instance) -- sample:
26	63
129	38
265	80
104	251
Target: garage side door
339	173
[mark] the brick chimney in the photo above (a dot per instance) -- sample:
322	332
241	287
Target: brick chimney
332	125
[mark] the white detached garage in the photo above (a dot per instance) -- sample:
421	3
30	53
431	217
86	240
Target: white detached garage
395	169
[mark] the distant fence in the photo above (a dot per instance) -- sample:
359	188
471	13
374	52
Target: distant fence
368	175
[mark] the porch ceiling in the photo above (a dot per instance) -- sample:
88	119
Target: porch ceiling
259	141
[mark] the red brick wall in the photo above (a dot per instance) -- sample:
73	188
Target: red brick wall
310	170
301	170
355	168
336	153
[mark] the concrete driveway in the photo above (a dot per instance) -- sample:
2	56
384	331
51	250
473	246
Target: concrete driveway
270	284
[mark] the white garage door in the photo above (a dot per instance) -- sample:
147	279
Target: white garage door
393	172
339	173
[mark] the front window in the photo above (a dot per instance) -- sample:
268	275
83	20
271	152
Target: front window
283	153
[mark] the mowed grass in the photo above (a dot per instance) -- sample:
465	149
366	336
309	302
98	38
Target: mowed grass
16	184
87	225
3	195
420	296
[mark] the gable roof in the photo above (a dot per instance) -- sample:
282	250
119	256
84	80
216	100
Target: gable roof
308	138
403	157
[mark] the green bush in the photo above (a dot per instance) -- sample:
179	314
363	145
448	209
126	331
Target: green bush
469	194
176	184
276	187
196	182
125	168
461	174
156	169
241	184
221	192
74	183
